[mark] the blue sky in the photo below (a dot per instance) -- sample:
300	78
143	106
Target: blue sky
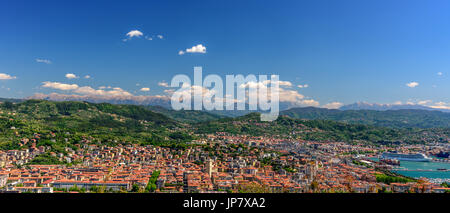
345	51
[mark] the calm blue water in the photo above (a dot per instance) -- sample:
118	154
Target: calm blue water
426	166
433	166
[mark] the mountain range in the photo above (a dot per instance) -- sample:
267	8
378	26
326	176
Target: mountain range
386	115
70	124
401	118
384	107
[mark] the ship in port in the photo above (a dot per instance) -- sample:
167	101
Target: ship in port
405	157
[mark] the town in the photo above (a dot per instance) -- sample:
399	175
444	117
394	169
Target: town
215	163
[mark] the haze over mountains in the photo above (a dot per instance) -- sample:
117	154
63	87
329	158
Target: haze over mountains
164	101
386	115
384	107
112	124
401	118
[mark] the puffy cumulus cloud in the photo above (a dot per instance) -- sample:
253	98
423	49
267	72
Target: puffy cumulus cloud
145	89
308	102
4	76
134	33
293	97
195	49
303	86
87	90
60	86
169	91
87	76
71	76
284	94
280	83
163	84
187	90
425	102
412	84
333	105
45	61
440	105
428	103
263	84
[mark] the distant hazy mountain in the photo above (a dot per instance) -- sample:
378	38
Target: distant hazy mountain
384	107
388	118
188	116
12	100
134	100
320	130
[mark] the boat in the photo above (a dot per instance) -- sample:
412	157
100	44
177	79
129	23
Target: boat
442	154
420	157
393	162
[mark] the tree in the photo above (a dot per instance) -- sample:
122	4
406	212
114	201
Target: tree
135	188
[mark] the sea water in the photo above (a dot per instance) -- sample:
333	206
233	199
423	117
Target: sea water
429	170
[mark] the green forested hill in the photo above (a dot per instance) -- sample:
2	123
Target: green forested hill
406	118
67	124
60	124
322	130
187	116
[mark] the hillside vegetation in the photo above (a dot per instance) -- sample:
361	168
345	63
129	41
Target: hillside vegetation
404	118
322	130
61	124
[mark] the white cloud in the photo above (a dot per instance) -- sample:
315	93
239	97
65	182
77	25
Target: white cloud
87	90
148	38
134	33
145	89
4	76
333	105
309	102
195	49
441	105
169	91
45	61
160	36
60	86
440	73
163	84
87	76
425	102
71	76
285	95
412	84
280	83
303	86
